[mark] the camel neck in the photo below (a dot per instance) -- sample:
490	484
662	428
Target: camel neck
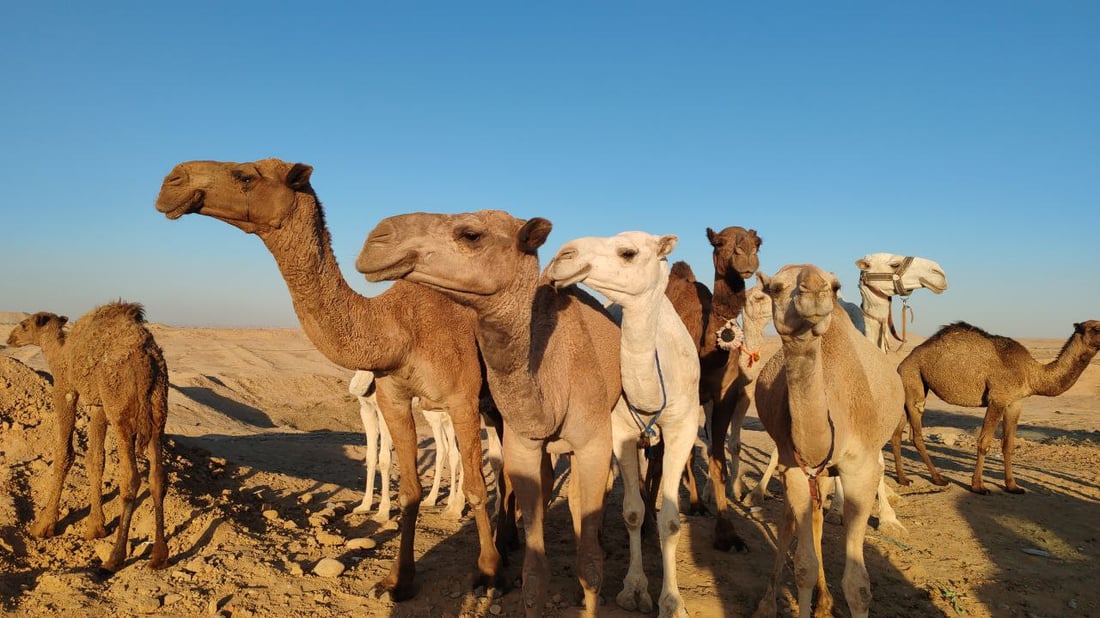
351	330
809	403
1057	376
874	305
729	298
53	349
638	352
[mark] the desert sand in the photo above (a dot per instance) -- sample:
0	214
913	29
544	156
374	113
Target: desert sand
263	435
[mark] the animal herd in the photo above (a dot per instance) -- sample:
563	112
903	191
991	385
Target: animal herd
474	325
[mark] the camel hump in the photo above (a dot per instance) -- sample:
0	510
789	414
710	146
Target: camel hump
133	312
682	270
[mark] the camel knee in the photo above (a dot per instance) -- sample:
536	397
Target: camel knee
633	519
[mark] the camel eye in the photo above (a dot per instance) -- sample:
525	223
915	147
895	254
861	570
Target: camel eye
244	178
894	264
628	254
469	236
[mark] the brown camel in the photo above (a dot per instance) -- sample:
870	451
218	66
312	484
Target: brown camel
966	366
111	364
830	400
721	384
552	360
417	342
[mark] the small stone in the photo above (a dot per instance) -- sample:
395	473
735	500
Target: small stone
1073	603
290	525
103	549
216	603
50	583
362	543
271	514
295	569
148	605
172	598
305	498
496	609
329	567
329	539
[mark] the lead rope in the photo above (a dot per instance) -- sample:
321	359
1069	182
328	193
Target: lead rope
812	476
648	436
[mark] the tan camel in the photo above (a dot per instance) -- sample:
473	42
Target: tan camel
830	400
110	363
418	343
552	361
660	370
966	366
735	259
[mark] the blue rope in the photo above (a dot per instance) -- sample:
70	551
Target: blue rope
647	429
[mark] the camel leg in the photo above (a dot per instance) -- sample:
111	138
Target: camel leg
835	513
696	506
385	470
128	488
368	413
465	429
64	403
456	501
1008	444
808	518
97	433
895	445
435	421
861	483
993	416
158	487
736	472
587	486
761	490
915	411
888	523
522	463
725	537
784	535
679	436
397	413
635	593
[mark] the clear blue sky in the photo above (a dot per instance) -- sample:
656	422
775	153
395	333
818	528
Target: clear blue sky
968	133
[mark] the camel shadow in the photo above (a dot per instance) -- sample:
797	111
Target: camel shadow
229	407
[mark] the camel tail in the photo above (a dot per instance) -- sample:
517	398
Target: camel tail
153	415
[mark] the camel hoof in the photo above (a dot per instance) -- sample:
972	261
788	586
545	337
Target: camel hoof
725	538
95	532
362	508
1016	490
42	529
672	606
633	600
766	608
939	481
159	558
979	490
892	529
904	482
397	592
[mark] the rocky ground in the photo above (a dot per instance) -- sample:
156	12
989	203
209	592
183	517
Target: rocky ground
265	457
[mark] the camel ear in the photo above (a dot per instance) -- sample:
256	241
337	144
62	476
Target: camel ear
533	234
63	319
1078	327
711	235
41	319
666	244
863	264
756	239
764	281
298	176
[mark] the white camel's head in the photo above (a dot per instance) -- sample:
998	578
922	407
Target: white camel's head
624	267
892	274
758	307
803	297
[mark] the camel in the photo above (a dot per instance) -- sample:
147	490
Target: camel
374	426
830	401
551	358
416	341
660	372
966	366
735	259
881	276
110	363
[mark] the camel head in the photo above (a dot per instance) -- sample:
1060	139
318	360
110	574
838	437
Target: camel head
758	305
33	328
803	297
1089	331
735	251
256	197
919	273
464	255
623	267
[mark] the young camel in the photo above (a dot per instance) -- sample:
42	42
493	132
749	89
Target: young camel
418	343
111	364
660	370
374	426
552	362
735	256
830	400
966	366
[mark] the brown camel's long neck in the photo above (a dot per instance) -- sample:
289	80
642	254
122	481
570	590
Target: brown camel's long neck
729	298
1057	376
512	346
351	330
53	348
810	431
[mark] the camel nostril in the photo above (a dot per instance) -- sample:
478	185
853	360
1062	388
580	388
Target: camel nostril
175	178
567	254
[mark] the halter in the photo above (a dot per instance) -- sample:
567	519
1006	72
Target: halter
812	475
894	277
649	435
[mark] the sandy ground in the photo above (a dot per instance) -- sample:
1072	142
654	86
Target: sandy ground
260	421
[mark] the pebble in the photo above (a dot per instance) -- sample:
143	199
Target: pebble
295	569
329	567
148	605
496	609
172	598
305	498
328	538
103	549
271	514
362	543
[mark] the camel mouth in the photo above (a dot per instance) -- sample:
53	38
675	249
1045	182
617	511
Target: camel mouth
932	286
385	271
746	274
563	280
192	204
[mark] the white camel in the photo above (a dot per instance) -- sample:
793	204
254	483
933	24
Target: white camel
379	445
881	277
660	371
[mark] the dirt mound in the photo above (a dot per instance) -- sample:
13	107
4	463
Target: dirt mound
12	317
